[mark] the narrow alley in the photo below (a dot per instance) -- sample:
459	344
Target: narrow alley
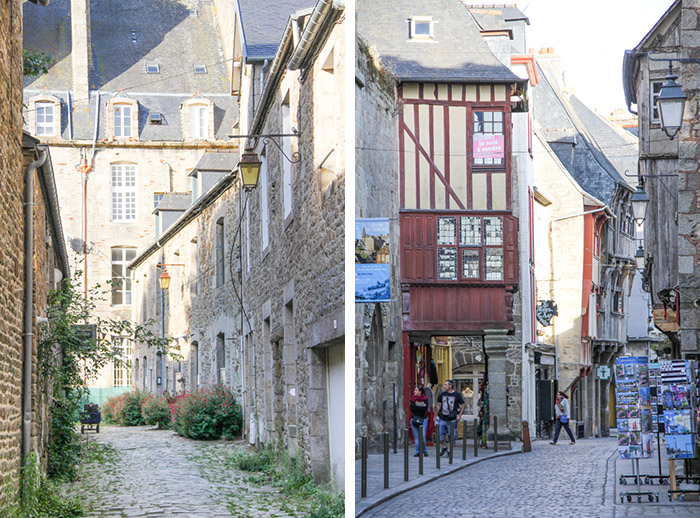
138	472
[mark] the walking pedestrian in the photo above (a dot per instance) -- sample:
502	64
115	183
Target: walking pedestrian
419	410
450	407
563	413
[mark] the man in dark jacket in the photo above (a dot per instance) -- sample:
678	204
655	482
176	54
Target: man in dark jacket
450	407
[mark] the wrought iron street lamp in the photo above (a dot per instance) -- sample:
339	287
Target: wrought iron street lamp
671	103
249	167
164	277
639	258
640	202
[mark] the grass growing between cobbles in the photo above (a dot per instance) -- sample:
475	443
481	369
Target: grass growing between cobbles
263	484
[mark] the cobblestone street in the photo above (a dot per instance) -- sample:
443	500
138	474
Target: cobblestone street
561	480
155	473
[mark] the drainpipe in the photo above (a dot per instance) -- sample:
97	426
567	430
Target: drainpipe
28	335
318	16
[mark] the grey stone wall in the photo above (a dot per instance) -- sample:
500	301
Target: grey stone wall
378	338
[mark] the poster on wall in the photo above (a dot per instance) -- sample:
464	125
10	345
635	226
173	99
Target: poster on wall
633	410
676	395
372	268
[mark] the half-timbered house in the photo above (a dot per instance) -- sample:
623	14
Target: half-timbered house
454	193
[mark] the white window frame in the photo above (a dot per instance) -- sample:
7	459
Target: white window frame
122	119
653	96
123	198
122	365
422	19
124	288
199	121
45	110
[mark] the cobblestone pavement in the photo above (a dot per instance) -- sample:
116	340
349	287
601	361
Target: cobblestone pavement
563	480
156	473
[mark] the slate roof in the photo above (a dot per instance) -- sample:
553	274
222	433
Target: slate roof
125	36
492	17
602	152
458	53
217	162
264	22
175	201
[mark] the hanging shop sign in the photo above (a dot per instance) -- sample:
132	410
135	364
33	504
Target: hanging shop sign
372	269
633	408
677	392
545	311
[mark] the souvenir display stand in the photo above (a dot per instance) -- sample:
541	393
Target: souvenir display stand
678	397
634	419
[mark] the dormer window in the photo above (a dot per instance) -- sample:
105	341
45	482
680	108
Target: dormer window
44	119
155	118
44	115
198	118
123	118
421	28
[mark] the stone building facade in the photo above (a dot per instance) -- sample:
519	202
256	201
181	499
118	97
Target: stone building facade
669	174
127	119
257	301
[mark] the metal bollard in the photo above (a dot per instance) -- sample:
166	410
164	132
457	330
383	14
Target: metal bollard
386	460
464	440
476	438
527	447
437	447
420	449
363	472
453	432
405	454
495	433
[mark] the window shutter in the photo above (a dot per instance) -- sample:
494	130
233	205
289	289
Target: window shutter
510	249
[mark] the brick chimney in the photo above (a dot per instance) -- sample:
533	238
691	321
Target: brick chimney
81	53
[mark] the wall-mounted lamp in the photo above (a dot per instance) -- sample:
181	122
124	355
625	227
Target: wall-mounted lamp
639	258
671	99
249	167
164	277
640	202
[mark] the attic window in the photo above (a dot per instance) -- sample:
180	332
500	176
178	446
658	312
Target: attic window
155	118
193	13
152	68
421	28
200	69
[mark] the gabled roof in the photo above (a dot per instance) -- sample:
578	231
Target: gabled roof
602	152
457	53
264	22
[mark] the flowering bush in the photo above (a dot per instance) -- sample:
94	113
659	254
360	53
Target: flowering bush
208	414
156	411
124	409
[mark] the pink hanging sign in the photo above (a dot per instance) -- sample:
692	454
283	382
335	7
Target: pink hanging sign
488	146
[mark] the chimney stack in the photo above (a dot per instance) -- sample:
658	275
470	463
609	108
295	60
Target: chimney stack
81	52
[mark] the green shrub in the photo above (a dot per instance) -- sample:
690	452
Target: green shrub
124	409
259	461
156	411
208	414
39	497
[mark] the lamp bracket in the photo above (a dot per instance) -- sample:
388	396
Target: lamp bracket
675	198
296	157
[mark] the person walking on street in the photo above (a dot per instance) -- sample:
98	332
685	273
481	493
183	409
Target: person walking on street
419	410
563	413
450	407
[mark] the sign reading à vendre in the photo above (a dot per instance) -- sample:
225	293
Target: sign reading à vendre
372	269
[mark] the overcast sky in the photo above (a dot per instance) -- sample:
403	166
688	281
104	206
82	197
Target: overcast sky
591	36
